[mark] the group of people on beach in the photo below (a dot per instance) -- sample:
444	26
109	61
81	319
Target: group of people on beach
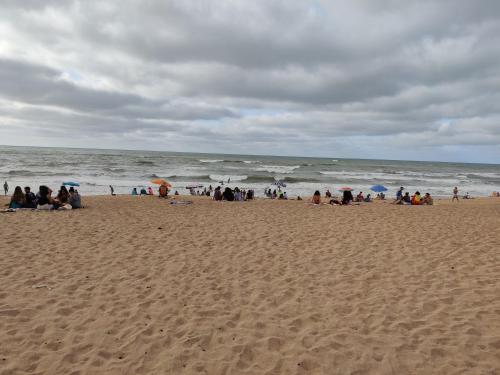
414	200
347	198
43	200
233	195
276	193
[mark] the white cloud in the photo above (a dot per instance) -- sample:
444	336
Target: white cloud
413	79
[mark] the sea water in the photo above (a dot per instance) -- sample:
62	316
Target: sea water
95	170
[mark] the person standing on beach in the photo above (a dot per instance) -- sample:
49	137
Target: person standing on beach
455	194
5	187
112	190
399	194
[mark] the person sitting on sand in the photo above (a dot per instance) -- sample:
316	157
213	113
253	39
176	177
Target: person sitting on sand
134	191
316	198
30	198
228	195
237	194
163	191
217	194
328	194
467	196
150	191
62	199
406	199
347	197
143	191
368	198
18	199
427	199
176	193
415	199
360	197
381	196
299	198
44	199
75	199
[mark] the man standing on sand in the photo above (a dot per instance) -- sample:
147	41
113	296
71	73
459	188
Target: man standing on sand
6	187
455	194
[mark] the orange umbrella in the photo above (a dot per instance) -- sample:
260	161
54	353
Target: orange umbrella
161	181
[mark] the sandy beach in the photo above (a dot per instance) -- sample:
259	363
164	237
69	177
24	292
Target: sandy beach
135	285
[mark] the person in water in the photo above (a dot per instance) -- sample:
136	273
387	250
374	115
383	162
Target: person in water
18	199
316	198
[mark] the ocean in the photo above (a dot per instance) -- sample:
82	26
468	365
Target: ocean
95	170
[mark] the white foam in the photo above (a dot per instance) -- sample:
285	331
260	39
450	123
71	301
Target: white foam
278	168
224	178
211	161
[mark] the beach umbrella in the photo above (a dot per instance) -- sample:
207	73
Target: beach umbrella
160	181
71	183
378	188
346	188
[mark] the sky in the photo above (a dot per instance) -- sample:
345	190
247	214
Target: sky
386	79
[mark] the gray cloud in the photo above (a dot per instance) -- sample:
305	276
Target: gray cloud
256	77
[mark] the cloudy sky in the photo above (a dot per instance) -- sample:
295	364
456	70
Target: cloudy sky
371	79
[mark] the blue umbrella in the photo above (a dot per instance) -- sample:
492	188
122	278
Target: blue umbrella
378	188
70	183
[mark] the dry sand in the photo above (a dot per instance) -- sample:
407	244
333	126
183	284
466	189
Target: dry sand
133	285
